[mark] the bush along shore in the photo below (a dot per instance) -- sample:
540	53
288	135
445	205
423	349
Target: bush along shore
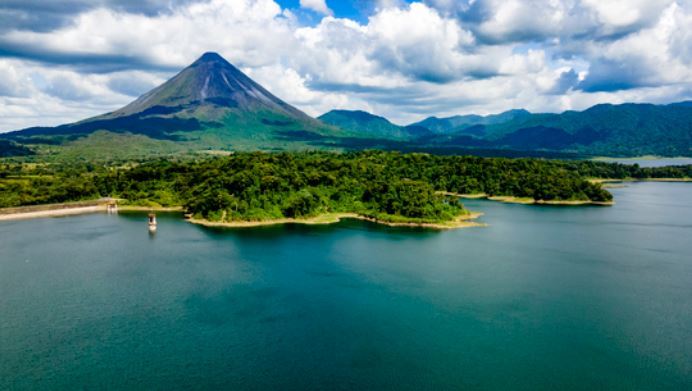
387	187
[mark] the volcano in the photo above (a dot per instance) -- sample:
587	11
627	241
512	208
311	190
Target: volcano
210	103
210	83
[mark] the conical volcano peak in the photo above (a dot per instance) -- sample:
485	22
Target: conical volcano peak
212	62
210	95
210	84
210	57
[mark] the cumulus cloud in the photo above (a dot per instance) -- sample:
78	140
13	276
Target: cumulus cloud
134	83
405	61
42	15
650	57
567	80
319	6
497	21
36	95
420	43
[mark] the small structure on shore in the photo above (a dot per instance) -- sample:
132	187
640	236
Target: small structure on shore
152	222
112	207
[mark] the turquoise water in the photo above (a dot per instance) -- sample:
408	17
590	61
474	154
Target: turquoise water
576	298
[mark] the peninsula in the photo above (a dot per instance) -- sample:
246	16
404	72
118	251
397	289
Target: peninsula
251	189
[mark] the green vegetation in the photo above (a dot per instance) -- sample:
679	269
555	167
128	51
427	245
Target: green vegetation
257	186
11	148
612	130
363	124
209	105
608	130
603	130
212	105
602	170
387	186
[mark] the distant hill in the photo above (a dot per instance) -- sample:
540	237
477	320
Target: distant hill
602	130
609	130
468	124
364	124
11	148
209	104
212	105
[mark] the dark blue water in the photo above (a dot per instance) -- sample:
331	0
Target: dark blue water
576	298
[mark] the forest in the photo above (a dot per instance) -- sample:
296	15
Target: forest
262	186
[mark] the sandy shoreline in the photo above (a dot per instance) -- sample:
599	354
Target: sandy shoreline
68	209
463	221
53	212
58	210
527	201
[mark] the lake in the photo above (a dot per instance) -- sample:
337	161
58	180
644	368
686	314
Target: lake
650	162
573	298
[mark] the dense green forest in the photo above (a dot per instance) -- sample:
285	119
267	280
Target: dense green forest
602	130
260	186
592	169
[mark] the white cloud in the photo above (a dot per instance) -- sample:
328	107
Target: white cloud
12	80
530	20
651	57
616	14
418	42
44	96
249	29
288	85
407	61
319	6
385	4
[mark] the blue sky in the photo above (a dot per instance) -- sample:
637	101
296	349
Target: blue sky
356	10
64	61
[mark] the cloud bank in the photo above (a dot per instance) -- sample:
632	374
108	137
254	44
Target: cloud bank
405	61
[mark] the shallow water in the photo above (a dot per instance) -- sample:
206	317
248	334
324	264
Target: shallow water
543	298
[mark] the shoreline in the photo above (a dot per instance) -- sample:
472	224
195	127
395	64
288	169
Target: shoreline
101	206
70	211
135	208
73	209
463	221
527	200
609	159
627	180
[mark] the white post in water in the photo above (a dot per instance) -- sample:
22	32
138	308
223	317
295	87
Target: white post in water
152	222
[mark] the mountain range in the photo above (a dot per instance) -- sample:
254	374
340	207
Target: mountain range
212	105
605	129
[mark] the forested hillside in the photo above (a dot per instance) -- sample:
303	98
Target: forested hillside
261	186
602	130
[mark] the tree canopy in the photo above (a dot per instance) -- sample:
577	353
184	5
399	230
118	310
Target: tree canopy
260	186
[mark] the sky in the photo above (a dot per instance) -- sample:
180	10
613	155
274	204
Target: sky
66	60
